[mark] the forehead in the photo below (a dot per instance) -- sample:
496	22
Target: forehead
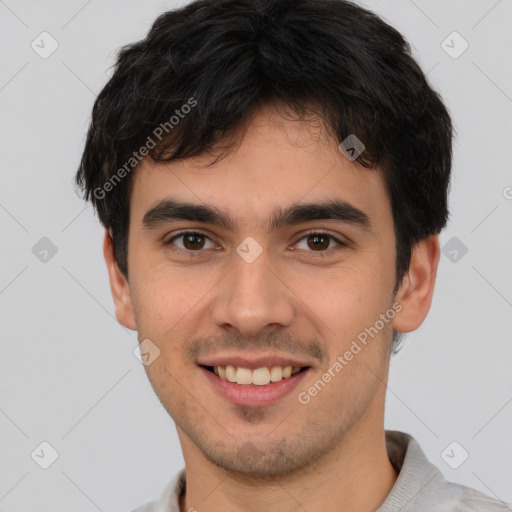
276	162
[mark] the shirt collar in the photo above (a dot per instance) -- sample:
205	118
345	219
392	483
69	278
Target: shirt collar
416	475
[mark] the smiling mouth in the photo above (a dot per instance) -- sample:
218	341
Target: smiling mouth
256	377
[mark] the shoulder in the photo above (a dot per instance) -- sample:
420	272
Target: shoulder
421	485
475	501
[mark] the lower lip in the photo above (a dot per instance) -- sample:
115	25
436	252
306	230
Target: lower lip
251	394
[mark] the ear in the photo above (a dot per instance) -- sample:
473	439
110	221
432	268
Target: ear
119	286
416	290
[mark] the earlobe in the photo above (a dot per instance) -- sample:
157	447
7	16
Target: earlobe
417	288
118	286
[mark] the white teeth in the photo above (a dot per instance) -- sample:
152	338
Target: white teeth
259	376
230	373
243	376
276	373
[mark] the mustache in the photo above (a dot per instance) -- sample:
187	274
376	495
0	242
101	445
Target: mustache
273	342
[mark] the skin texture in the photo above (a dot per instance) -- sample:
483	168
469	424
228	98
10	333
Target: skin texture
288	301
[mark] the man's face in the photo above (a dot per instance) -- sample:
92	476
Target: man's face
253	292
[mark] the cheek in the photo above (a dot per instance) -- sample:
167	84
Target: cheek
160	303
167	299
345	299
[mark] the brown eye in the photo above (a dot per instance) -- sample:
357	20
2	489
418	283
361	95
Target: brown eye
191	242
318	241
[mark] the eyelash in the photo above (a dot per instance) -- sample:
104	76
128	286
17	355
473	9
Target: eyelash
197	253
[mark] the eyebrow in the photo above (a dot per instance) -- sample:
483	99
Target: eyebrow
169	210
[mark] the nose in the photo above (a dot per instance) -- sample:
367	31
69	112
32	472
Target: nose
252	298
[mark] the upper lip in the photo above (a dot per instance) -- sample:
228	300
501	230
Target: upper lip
252	362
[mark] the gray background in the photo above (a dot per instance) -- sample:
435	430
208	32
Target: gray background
68	373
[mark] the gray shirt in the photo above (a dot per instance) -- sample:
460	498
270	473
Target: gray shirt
420	486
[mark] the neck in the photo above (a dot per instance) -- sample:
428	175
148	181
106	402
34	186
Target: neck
355	475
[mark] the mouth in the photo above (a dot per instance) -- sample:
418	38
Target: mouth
253	387
262	376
